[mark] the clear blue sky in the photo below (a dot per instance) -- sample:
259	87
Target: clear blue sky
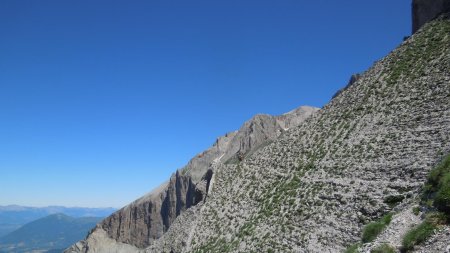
100	101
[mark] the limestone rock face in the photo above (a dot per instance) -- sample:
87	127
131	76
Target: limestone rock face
253	134
295	117
148	218
261	130
426	10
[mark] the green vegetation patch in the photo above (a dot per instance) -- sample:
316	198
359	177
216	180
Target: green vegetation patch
436	193
393	200
426	47
417	235
352	248
373	229
437	187
383	248
422	232
442	200
217	245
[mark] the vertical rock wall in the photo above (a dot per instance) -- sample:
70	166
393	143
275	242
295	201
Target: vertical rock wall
426	10
149	218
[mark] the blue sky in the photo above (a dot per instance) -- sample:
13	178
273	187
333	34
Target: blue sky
100	101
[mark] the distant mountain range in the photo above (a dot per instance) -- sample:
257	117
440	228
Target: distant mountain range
52	233
13	217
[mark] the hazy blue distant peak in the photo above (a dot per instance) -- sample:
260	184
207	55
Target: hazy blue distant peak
13	208
55	231
73	211
14	216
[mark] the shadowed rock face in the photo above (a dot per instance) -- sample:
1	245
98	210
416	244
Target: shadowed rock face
181	194
149	217
426	10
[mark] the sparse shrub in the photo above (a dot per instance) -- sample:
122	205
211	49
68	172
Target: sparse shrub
393	200
442	199
437	188
437	218
416	210
383	248
423	231
373	229
436	192
417	235
438	172
352	248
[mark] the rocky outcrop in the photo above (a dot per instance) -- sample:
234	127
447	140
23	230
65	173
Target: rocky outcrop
148	218
261	130
425	10
295	117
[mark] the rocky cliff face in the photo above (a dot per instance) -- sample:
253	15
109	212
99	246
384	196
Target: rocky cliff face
253	134
148	218
425	10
